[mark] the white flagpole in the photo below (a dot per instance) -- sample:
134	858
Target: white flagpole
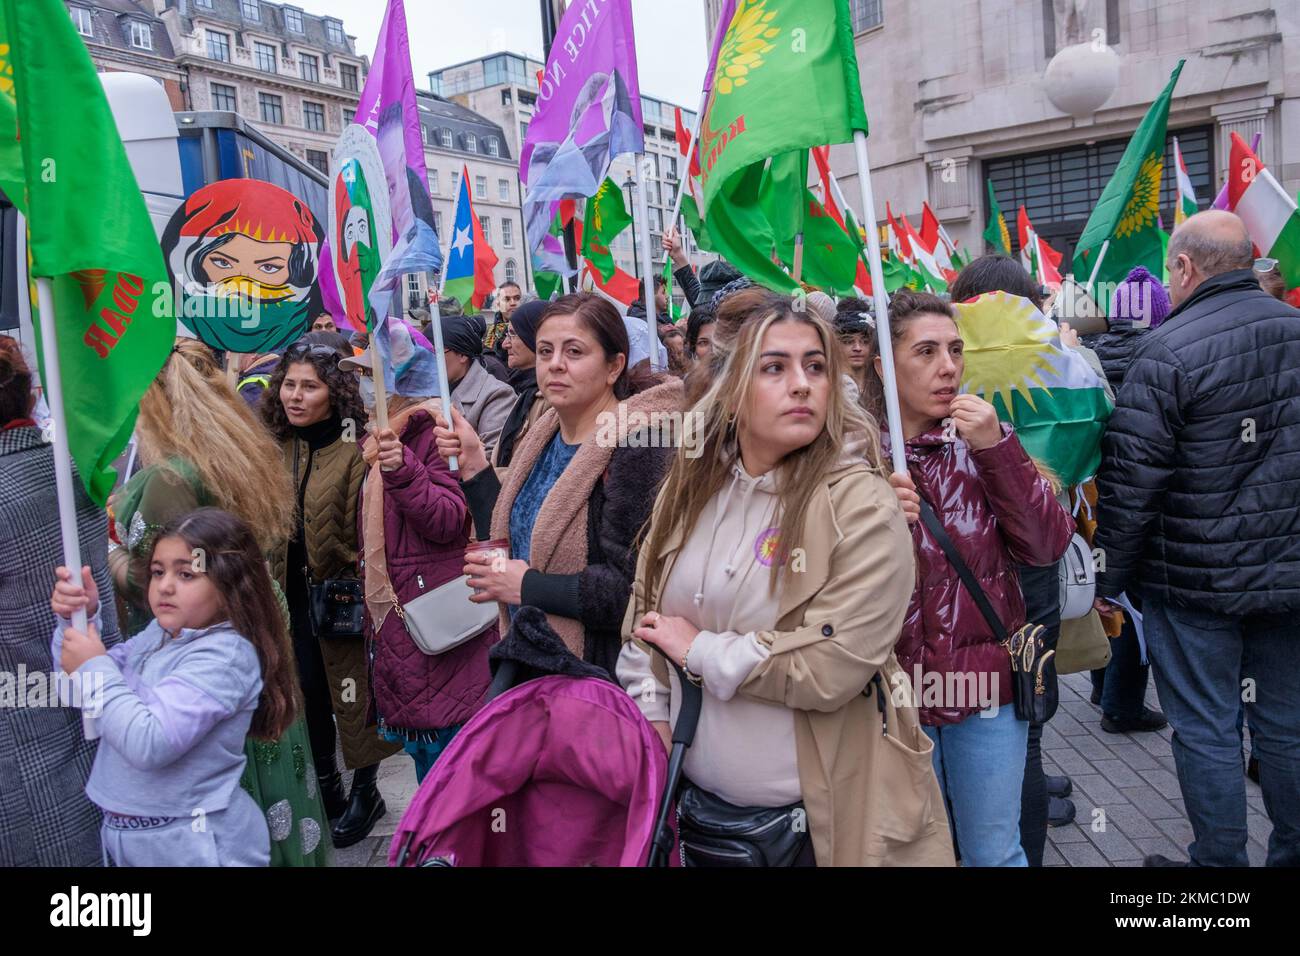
64	488
1096	267
647	268
436	323
892	412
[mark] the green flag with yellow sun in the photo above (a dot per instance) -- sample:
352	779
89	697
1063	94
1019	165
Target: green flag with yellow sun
1128	213
1016	362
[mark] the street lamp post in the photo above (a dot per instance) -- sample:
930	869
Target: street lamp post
629	184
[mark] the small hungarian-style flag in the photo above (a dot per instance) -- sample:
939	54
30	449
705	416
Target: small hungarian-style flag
937	242
606	217
996	234
927	266
89	232
1267	210
839	210
1187	204
1128	212
470	260
1039	259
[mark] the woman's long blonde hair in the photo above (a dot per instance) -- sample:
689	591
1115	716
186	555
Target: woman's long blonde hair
743	321
191	412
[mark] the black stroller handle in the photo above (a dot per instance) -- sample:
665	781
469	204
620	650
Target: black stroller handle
688	719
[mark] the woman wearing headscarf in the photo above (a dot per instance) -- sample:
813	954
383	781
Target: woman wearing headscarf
483	400
521	346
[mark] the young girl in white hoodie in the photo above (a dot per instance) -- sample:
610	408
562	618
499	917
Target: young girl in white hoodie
775	574
174	703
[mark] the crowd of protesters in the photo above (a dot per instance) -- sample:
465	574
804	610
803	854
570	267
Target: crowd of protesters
254	591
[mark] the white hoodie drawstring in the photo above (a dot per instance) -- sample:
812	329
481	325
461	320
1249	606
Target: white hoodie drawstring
713	537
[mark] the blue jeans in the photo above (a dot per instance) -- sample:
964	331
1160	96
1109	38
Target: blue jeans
1200	660
980	764
424	753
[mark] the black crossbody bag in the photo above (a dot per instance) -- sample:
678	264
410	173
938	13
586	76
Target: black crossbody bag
337	607
1033	670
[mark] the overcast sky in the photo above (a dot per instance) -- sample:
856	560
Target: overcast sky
670	42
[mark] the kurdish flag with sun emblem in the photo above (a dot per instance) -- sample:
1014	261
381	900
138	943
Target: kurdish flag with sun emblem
62	163
1128	213
996	233
1015	361
783	77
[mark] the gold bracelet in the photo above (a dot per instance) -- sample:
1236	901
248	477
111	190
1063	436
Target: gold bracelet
691	676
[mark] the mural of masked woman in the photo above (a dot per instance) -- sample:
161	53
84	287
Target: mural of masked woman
357	257
243	255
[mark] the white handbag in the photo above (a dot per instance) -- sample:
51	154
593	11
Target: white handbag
446	618
1078	579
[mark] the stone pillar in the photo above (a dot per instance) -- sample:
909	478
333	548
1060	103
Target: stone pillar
949	184
1245	118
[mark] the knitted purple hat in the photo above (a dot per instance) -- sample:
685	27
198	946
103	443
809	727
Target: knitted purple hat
1140	300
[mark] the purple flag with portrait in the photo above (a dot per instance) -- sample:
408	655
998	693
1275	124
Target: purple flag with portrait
588	110
388	111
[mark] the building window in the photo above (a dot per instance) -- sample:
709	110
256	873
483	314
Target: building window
310	67
503	190
313	116
334	32
486	223
1059	188
433	181
866	14
203	3
223	98
672	167
349	114
293	19
508	233
264	56
141	35
445	138
319	159
506	98
81	17
494	148
471	143
250	10
437	222
523	132
480	187
218	46
348	76
511	271
272	108
424	135
455	183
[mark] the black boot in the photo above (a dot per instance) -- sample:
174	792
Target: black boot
332	795
365	807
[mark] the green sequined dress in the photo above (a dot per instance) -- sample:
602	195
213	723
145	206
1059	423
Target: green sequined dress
279	774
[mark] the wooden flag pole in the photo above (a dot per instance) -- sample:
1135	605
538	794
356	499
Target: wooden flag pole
377	376
66	492
798	256
886	348
647	267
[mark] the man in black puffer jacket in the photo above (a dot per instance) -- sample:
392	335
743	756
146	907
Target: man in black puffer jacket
1198	512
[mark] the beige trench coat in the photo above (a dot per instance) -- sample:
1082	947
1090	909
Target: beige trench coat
868	783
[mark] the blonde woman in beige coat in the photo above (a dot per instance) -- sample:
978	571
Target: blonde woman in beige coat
776	572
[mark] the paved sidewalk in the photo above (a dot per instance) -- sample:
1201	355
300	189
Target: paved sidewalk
1129	777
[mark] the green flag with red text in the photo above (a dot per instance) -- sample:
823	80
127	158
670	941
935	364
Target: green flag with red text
62	163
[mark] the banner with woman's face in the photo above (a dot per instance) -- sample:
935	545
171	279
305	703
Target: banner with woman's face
243	257
361	230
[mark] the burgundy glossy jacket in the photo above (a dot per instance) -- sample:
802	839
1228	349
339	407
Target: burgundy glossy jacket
426	528
998	510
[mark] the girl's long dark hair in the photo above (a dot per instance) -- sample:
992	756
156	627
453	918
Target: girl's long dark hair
237	569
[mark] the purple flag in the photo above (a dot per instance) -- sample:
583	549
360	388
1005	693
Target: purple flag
388	112
588	110
725	16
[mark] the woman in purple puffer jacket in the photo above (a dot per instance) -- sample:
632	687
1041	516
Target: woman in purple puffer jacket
998	510
409	493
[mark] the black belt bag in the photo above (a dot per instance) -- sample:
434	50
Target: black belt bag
713	832
337	607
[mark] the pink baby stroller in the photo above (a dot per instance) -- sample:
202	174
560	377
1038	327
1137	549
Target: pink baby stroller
556	770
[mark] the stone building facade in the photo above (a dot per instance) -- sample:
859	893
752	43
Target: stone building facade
128	36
